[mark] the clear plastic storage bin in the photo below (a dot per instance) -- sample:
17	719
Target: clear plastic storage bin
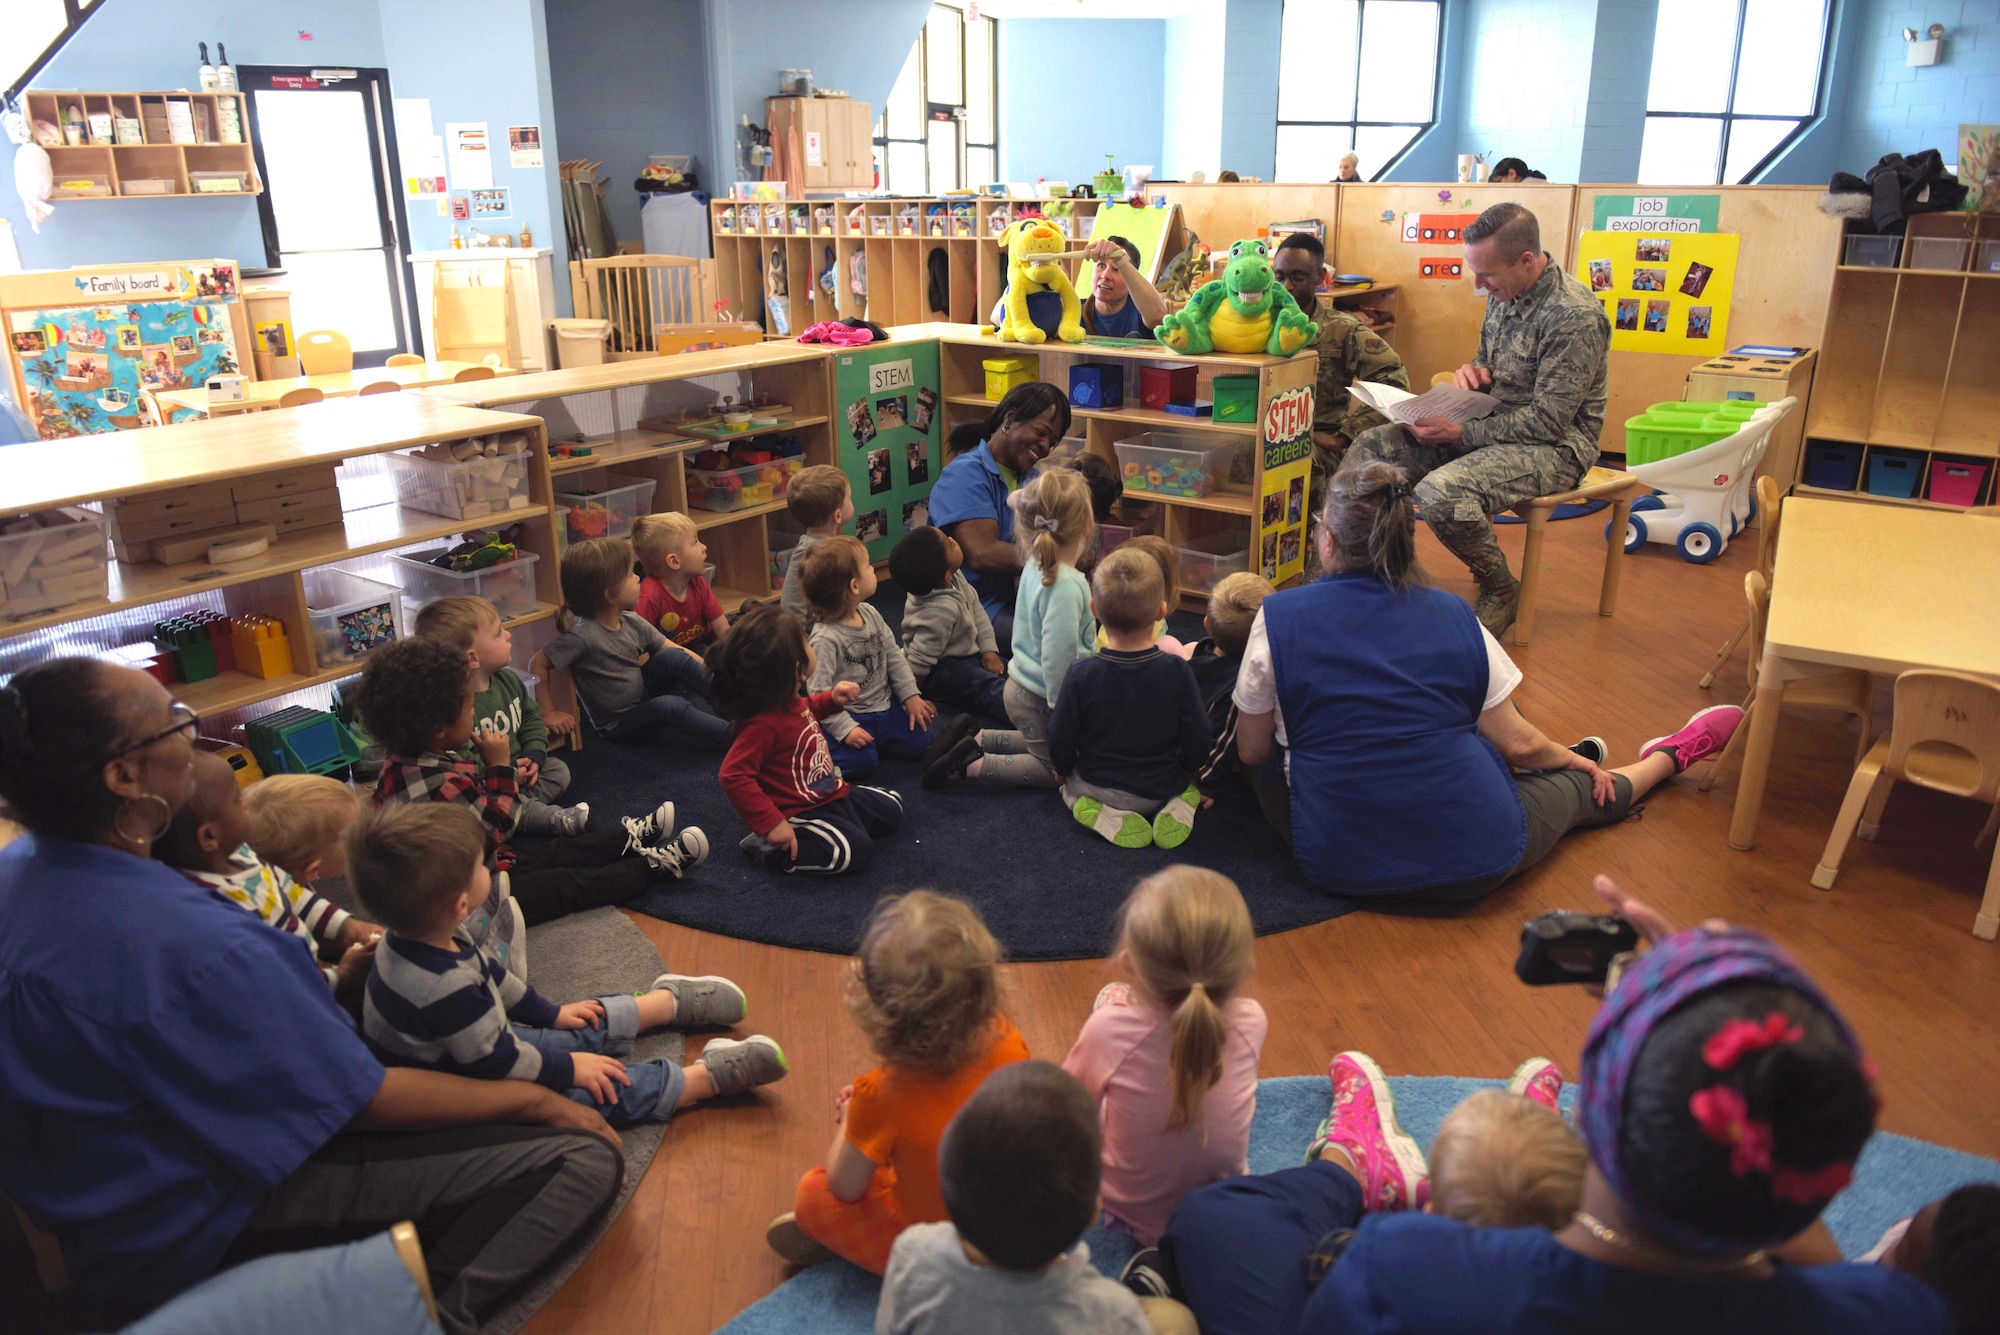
350	615
741	488
509	586
51	558
1873	252
1938	252
1206	561
471	489
608	509
1172	463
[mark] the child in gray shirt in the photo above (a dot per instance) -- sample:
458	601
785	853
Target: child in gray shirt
851	642
1019	1169
947	636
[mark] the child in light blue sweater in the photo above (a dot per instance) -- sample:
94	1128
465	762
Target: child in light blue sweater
1053	628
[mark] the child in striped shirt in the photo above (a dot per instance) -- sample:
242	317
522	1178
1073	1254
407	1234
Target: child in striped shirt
439	1002
209	841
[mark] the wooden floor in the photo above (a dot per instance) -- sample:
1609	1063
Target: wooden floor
1893	945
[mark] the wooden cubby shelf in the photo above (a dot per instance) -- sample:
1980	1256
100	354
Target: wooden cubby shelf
147	161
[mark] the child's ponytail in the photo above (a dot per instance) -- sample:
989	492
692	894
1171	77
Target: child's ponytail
1051	514
1187	935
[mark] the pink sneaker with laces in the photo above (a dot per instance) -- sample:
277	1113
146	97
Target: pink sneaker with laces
1702	736
1363	1126
1538	1080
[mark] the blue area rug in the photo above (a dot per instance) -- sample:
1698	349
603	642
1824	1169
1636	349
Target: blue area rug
1048	888
1895	1177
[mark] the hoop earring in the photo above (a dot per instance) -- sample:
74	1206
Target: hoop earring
145	840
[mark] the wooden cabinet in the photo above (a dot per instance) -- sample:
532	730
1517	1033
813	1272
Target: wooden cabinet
843	131
149	145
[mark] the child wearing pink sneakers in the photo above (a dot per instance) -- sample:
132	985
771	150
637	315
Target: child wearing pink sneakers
1170	1055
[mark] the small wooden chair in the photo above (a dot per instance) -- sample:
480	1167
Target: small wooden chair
298	398
1946	736
382	387
325	352
410	1251
473	373
1849	690
155	412
404	359
50	1268
1769	501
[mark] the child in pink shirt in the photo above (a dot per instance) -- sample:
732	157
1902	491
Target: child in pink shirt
1171	1055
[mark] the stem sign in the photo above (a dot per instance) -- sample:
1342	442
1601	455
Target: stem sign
1288	420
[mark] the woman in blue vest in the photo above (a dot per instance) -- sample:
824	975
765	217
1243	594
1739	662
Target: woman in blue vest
987	461
1394	763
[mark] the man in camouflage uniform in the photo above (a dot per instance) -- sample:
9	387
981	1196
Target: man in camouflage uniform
1543	352
1348	351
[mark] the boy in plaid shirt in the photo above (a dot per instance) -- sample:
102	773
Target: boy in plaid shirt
416	698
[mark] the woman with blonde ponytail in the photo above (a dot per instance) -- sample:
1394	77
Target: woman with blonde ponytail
1170	1053
1053	628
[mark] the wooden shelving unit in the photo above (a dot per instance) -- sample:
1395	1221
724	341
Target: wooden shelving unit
895	238
157	157
1236	510
125	466
602	405
1909	354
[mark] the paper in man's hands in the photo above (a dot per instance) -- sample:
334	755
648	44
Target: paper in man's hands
1446	403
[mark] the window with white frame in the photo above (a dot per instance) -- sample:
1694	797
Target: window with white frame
33	32
939	130
1734	82
1354	75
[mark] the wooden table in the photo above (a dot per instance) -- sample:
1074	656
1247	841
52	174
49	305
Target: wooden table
261	394
1884	588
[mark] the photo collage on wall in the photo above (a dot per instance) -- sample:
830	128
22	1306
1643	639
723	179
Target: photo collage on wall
1662	293
889	434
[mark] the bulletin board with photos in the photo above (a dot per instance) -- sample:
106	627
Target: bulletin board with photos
1664	270
889	431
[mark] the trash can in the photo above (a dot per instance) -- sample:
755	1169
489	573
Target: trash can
581	342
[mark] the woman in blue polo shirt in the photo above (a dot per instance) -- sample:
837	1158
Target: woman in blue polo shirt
1122	301
990	459
178	1088
1402	769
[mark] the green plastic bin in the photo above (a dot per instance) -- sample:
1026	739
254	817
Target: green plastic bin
1652	436
1235	398
1741	409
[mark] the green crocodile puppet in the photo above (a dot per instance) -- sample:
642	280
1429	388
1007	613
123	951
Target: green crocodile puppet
1246	310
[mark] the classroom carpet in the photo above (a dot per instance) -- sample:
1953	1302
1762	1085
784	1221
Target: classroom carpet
593	954
1048	888
1895	1177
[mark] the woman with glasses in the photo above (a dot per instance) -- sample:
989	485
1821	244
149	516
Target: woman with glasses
1394	762
178	1089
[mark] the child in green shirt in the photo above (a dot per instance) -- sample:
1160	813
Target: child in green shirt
502	702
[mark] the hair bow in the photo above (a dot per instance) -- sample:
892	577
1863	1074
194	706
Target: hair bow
1043	523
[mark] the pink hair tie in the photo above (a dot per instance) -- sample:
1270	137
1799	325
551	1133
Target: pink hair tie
1739	1038
1724	1117
1789	1184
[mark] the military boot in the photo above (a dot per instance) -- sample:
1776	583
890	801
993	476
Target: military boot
1499	592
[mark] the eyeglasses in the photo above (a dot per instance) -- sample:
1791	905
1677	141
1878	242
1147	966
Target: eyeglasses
184	720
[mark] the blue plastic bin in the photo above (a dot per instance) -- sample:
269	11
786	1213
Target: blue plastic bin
1833	467
1895	472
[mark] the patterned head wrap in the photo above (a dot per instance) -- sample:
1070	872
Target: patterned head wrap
1676	971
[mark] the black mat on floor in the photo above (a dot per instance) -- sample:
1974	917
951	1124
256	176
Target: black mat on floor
1048	888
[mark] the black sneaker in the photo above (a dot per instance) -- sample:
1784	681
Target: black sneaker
1592	749
953	764
947	736
1145	1274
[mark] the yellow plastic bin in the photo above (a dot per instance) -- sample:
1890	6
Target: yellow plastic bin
1004	373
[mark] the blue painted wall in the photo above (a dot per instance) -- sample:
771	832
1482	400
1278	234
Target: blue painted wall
1527	82
1051	68
1892	108
1614	119
630	79
1434	156
1191	119
1250	87
142	45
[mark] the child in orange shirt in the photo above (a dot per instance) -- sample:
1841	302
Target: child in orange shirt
926	991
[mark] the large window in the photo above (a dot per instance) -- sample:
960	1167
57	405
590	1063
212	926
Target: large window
1734	82
1356	75
939	129
32	33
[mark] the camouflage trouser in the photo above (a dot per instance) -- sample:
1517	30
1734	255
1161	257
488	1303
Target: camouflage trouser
1459	489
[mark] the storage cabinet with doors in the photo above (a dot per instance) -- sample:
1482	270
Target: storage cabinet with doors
646	418
846	138
1228	495
1906	406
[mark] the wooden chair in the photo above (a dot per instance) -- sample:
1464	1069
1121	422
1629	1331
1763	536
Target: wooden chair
1946	736
325	352
50	1268
1849	690
473	373
404	359
381	387
410	1251
298	398
1769	500
150	408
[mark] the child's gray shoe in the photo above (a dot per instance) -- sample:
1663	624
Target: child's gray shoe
574	820
739	1064
704	1000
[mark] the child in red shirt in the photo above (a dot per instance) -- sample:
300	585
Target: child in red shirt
779	774
674	595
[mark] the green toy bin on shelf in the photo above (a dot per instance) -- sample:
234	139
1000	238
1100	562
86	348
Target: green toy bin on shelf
1235	398
1652	436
